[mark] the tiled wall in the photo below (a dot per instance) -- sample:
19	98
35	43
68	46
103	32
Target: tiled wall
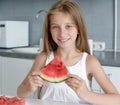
98	14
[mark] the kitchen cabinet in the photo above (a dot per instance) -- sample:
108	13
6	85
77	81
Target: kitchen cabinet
13	72
114	75
0	74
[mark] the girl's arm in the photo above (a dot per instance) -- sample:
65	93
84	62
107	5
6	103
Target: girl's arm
110	95
32	80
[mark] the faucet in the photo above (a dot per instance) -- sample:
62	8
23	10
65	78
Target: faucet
39	12
41	39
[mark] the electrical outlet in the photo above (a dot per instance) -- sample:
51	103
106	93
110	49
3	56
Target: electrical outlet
98	46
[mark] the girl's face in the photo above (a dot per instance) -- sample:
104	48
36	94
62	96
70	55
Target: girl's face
63	29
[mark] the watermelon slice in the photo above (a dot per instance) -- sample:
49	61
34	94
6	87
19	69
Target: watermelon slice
55	71
4	100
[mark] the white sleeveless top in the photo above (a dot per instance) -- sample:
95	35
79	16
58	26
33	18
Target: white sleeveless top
61	91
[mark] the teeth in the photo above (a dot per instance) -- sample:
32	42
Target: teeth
62	40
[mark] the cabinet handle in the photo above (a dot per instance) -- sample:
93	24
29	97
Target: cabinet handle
109	75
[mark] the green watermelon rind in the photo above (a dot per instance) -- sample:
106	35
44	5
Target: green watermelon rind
54	80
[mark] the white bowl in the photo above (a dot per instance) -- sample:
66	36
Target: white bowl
33	50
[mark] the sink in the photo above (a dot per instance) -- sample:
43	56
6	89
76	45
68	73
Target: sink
32	50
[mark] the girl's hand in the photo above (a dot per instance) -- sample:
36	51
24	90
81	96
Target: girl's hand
78	85
34	81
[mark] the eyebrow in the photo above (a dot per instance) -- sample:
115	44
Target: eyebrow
57	24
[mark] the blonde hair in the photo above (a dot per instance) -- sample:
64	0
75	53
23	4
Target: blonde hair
73	9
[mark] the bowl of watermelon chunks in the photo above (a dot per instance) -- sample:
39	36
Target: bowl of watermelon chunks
5	100
55	71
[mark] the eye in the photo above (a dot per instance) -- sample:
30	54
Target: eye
68	26
54	27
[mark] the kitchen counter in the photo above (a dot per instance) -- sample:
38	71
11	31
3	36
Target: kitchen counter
40	102
106	58
10	53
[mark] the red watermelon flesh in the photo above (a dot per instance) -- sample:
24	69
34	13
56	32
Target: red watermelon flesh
4	100
55	71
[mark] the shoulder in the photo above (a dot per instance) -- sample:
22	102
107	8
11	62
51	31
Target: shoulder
39	61
92	59
41	55
93	65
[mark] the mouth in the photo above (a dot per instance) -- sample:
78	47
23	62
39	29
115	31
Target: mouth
63	40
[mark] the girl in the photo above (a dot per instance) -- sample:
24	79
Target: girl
65	36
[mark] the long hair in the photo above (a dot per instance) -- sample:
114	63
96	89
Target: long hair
73	9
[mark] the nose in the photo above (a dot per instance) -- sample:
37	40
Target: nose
62	31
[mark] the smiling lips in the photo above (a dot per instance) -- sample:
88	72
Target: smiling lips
63	40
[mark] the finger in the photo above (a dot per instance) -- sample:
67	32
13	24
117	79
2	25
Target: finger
35	73
74	76
72	85
73	80
38	83
39	80
35	76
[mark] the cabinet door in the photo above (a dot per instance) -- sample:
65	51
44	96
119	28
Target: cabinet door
13	72
115	75
0	75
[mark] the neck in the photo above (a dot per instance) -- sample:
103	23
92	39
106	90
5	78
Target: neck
69	57
66	53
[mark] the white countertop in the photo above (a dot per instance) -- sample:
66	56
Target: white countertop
40	102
